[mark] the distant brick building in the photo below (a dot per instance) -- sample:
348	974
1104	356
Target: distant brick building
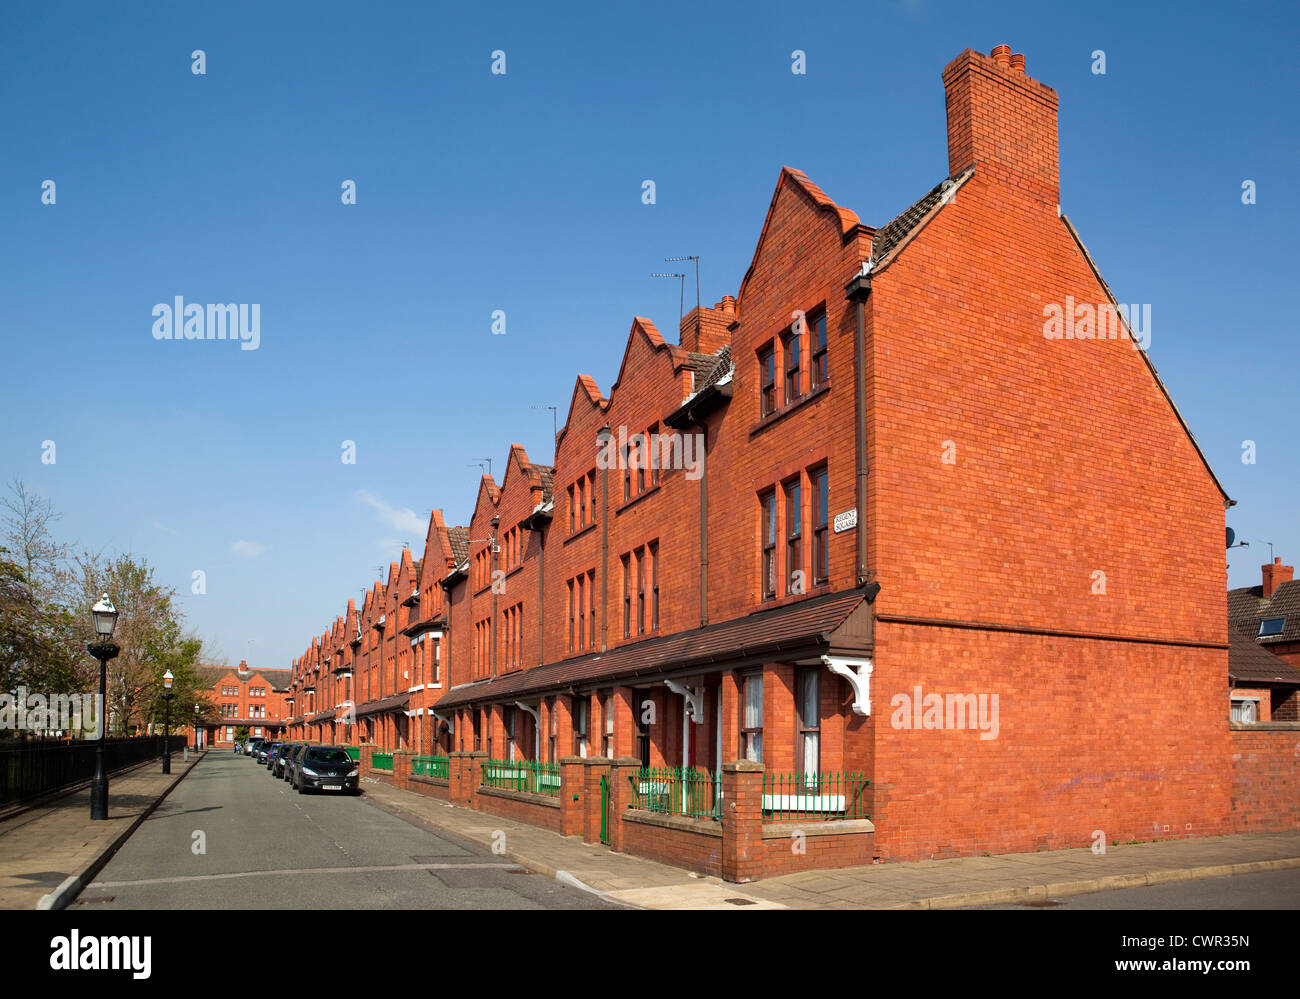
252	698
873	536
1265	624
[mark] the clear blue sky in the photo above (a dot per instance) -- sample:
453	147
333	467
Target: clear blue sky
522	192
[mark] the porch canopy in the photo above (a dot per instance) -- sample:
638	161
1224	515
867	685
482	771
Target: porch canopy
321	716
837	624
396	702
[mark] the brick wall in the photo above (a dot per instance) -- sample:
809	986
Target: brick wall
1266	780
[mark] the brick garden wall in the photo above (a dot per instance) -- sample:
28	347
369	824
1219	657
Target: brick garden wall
1266	779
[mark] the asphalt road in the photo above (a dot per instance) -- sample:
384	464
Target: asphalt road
266	846
1269	890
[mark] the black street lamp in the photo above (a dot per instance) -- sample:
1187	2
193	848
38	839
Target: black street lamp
105	617
167	721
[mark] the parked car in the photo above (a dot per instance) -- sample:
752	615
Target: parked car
252	746
327	768
282	757
294	760
266	749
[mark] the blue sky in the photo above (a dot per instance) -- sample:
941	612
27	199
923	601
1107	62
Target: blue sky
522	192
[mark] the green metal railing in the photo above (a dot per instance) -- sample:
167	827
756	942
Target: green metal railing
355	753
805	797
431	766
678	791
381	761
523	775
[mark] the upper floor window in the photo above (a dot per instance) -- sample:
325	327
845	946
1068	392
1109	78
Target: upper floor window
793	383
1271	626
766	380
767	507
821	569
820	372
794	537
640	590
654	586
591	496
627	596
652	438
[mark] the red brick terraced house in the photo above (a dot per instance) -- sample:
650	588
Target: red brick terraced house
857	569
1265	625
251	698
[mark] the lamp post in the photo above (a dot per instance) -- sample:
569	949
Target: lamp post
105	618
167	721
197	740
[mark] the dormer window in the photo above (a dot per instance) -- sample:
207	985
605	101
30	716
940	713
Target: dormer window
1271	626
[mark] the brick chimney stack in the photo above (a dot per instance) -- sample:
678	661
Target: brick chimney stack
1275	575
1003	121
707	331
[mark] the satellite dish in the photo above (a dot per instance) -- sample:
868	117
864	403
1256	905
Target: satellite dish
1232	536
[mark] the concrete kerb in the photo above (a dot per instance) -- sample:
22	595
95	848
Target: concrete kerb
73	884
1112	882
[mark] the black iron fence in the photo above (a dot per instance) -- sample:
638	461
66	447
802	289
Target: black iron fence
31	769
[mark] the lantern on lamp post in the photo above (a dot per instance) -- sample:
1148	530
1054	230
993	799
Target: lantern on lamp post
104	615
168	679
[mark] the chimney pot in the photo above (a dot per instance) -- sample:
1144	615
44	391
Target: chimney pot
1018	63
1002	55
729	305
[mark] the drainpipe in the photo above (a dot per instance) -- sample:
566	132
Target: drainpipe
492	575
602	440
857	291
704	523
541	592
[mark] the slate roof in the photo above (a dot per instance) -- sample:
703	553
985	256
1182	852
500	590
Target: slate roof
895	231
1250	662
1247	607
459	538
547	473
798	626
278	678
720	365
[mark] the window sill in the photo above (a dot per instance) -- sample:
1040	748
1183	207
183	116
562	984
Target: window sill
579	533
789	407
648	491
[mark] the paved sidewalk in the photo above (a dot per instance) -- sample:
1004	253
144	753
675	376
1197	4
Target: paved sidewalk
1024	877
928	884
616	876
53	848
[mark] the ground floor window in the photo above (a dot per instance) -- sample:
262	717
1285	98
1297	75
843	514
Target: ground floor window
808	719
751	719
581	706
642	713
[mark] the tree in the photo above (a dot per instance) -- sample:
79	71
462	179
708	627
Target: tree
38	646
150	633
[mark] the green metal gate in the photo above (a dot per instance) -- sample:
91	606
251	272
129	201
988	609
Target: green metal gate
604	808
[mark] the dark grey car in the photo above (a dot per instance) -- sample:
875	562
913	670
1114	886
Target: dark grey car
327	768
